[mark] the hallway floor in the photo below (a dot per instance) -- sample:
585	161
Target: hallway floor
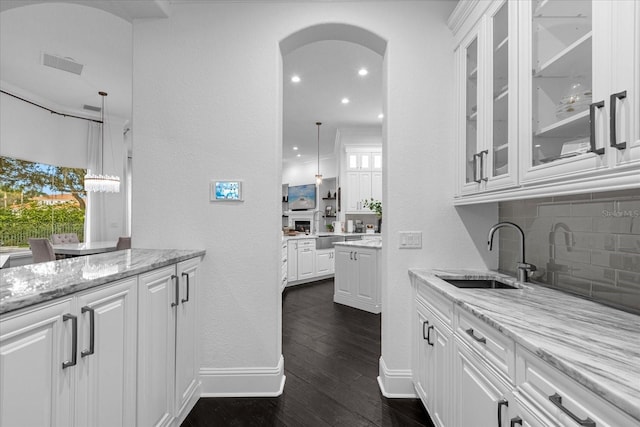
331	357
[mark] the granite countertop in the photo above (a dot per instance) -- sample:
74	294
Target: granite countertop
596	345
35	283
324	234
368	243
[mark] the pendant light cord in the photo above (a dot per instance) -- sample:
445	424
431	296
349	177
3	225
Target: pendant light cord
318	124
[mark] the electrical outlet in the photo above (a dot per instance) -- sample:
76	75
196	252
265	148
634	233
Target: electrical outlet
410	239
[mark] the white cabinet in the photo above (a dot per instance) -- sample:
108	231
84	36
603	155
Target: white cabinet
284	265
481	398
73	361
325	261
292	261
306	259
362	178
548	97
167	344
358	278
432	363
36	389
487	124
560	399
107	338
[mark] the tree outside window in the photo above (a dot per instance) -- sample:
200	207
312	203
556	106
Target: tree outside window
37	200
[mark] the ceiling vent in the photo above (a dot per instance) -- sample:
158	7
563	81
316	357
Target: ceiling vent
64	64
92	108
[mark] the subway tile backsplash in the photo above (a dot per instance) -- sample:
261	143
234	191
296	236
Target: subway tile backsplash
587	244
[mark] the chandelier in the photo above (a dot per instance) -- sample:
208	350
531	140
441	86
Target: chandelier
101	183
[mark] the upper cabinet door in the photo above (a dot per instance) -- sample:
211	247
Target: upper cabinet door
624	98
564	113
488	73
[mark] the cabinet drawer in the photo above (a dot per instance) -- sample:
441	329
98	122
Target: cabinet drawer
496	348
440	305
307	243
537	381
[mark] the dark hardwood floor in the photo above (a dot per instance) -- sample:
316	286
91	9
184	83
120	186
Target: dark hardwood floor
331	357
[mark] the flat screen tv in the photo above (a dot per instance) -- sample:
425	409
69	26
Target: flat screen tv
302	197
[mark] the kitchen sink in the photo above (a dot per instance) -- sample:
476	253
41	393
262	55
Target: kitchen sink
326	242
479	283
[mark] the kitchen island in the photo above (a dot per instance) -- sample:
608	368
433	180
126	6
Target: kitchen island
358	274
106	339
530	353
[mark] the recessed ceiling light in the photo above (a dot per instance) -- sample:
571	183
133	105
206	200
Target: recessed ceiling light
295	79
537	145
380	116
299	155
295	148
345	100
363	71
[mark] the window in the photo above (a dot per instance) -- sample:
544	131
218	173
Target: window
37	200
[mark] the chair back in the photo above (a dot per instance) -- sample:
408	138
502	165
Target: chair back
123	243
41	250
58	239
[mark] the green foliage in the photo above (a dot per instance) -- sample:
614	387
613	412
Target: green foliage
18	224
374	206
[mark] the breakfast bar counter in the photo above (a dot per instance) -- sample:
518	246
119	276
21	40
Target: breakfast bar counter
28	285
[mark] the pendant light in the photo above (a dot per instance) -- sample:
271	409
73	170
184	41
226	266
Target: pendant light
101	183
318	176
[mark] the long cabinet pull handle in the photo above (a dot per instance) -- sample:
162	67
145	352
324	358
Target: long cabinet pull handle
187	298
74	340
92	330
501	403
351	255
613	120
475	169
483	173
556	399
514	421
429	329
481	340
177	299
355	256
592	127
425	332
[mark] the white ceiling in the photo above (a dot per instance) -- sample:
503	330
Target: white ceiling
329	72
102	42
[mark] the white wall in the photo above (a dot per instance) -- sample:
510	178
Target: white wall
207	104
300	173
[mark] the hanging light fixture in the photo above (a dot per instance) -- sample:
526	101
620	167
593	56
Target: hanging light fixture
101	183
318	176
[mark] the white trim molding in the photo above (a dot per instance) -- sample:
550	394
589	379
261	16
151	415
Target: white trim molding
395	383
243	382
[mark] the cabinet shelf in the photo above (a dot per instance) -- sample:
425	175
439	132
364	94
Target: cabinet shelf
328	198
576	56
502	95
562	10
573	126
502	44
473	74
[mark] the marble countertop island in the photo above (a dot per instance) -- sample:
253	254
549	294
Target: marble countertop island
28	285
596	345
368	243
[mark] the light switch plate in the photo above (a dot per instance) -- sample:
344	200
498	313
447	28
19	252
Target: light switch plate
410	239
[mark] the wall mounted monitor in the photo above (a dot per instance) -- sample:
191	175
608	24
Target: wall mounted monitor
226	191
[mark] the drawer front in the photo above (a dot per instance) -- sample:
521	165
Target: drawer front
439	304
561	398
498	349
307	243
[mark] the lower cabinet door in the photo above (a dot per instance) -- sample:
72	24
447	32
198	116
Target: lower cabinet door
157	299
187	365
36	389
324	260
479	396
367	274
306	263
105	394
344	277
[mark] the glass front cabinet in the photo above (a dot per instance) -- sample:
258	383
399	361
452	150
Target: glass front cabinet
488	102
548	94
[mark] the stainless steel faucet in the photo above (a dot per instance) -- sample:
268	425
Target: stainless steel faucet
522	268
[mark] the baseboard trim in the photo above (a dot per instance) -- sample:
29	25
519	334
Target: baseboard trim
357	303
395	383
243	382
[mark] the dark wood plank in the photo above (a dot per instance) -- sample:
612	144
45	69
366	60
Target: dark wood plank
331	357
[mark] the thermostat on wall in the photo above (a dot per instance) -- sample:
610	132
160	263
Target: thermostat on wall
226	191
